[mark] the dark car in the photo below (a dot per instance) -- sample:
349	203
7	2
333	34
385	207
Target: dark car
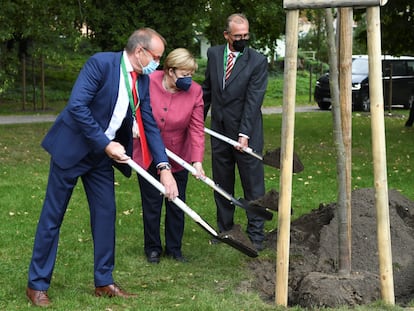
398	70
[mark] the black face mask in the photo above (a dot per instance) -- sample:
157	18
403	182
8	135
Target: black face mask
239	45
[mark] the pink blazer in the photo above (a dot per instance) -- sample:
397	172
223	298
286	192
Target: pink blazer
180	118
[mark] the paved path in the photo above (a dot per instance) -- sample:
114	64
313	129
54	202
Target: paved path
20	119
26	119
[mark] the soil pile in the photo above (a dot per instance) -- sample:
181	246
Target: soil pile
313	281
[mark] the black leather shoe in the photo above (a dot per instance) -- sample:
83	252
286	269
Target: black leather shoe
179	258
153	257
258	246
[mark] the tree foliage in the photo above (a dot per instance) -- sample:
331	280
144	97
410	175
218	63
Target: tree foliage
266	19
397	27
112	21
31	29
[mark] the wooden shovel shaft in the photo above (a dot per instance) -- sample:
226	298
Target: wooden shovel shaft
233	143
177	201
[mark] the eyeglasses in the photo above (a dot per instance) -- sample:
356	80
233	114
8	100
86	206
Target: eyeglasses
154	57
245	36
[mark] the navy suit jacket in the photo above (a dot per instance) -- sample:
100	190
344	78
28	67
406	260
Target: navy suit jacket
80	127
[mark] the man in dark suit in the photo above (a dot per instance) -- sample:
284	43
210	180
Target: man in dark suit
91	134
236	97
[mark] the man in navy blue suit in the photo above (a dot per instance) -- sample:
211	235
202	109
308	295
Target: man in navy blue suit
93	133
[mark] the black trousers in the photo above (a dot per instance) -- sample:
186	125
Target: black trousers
251	171
152	202
410	120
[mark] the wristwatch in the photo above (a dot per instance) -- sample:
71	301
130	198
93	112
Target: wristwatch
165	166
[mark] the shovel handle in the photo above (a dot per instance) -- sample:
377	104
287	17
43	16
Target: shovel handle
233	143
177	201
193	171
263	213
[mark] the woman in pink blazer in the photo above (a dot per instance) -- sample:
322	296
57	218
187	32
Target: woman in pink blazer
178	108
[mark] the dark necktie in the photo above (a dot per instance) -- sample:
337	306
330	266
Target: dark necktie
146	154
229	66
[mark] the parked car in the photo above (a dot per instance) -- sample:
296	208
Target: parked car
399	70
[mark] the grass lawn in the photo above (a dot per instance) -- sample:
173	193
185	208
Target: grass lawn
212	278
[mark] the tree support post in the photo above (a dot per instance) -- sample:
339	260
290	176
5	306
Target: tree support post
286	158
379	154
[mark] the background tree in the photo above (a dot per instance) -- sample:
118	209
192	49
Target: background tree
397	27
30	32
267	22
112	21
316	39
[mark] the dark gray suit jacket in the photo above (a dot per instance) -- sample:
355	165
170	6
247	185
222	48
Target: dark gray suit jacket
236	108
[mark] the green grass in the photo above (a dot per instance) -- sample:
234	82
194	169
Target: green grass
213	277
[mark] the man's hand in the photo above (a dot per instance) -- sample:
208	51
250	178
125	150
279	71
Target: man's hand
243	143
168	181
116	152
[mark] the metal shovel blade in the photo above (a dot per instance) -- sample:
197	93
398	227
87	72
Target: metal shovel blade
256	209
251	252
237	239
234	241
272	158
269	201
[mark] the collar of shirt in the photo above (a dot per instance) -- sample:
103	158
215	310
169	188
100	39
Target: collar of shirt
128	65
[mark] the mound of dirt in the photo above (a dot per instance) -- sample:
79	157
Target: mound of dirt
313	279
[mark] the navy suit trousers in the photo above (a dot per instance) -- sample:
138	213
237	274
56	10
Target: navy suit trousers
97	177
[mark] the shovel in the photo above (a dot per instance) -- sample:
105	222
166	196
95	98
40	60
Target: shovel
226	237
258	210
271	158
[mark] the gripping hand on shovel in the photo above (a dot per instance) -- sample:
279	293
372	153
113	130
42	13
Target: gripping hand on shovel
168	181
116	152
199	171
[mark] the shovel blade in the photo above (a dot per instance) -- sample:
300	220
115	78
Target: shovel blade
247	250
231	240
255	209
269	201
272	158
238	240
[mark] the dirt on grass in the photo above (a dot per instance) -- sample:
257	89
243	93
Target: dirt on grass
313	278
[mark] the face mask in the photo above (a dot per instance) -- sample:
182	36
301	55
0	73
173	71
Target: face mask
150	68
183	83
239	45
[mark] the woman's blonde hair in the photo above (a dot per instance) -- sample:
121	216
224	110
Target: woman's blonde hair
180	59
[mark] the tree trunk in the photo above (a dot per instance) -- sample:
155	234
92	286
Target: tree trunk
34	84
24	82
42	70
337	134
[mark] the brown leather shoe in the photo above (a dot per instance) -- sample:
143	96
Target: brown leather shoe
112	290
38	297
